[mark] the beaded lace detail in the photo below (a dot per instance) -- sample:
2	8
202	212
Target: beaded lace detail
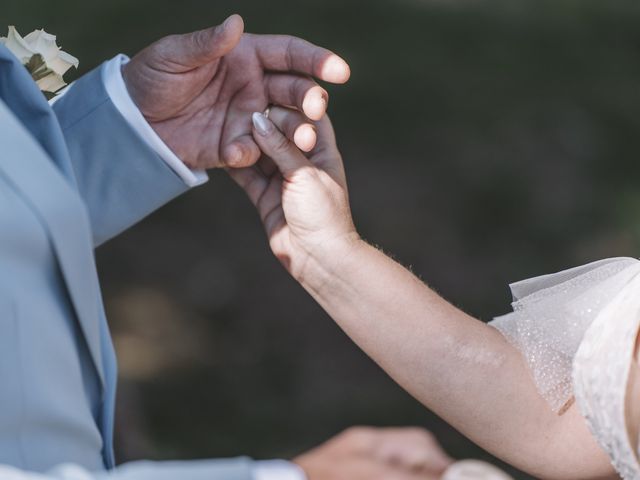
601	372
577	331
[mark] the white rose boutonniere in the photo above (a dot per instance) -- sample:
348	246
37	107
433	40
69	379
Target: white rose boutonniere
42	57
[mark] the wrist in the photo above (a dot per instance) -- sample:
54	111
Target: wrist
328	263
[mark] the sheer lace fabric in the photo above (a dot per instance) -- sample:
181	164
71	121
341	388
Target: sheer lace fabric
577	331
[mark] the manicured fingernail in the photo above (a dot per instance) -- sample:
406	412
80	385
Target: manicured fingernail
262	124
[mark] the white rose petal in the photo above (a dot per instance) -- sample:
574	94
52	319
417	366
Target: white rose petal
62	63
44	44
16	44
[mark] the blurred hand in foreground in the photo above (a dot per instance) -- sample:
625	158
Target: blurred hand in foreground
367	453
198	90
474	470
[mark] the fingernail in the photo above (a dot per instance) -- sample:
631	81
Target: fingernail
305	137
233	155
336	70
325	101
226	22
315	105
262	124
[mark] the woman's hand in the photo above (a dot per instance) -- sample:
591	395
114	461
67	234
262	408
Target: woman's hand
302	199
457	366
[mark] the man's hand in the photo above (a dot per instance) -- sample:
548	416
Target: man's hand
366	453
198	90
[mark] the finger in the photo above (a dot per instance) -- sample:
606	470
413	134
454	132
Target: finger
326	143
241	152
275	145
295	127
270	205
266	166
392	472
325	153
194	49
418	458
282	53
265	194
297	91
237	147
251	180
474	469
415	448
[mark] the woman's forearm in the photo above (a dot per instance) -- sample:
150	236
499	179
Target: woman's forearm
462	369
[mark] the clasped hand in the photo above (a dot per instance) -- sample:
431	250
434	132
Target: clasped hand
198	90
302	199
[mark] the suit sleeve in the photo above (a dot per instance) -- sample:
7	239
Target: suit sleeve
119	176
231	469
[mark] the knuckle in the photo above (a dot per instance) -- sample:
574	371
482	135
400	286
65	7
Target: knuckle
300	87
200	39
356	430
170	39
349	434
294	92
164	47
358	435
419	432
288	55
290	129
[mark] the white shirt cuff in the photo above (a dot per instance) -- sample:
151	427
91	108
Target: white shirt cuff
117	90
277	470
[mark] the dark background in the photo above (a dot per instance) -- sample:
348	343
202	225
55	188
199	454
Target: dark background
485	142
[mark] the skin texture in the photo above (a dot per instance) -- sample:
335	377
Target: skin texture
323	217
198	90
365	453
462	369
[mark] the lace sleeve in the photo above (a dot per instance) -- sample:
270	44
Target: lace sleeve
550	316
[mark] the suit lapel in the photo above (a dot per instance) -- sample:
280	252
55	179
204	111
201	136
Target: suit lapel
28	104
26	160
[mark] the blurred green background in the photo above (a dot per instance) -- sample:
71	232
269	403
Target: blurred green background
485	142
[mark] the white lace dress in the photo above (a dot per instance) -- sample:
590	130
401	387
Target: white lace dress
578	329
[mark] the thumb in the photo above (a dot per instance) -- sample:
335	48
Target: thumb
273	143
198	48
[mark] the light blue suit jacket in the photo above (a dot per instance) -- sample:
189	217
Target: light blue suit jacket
71	178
